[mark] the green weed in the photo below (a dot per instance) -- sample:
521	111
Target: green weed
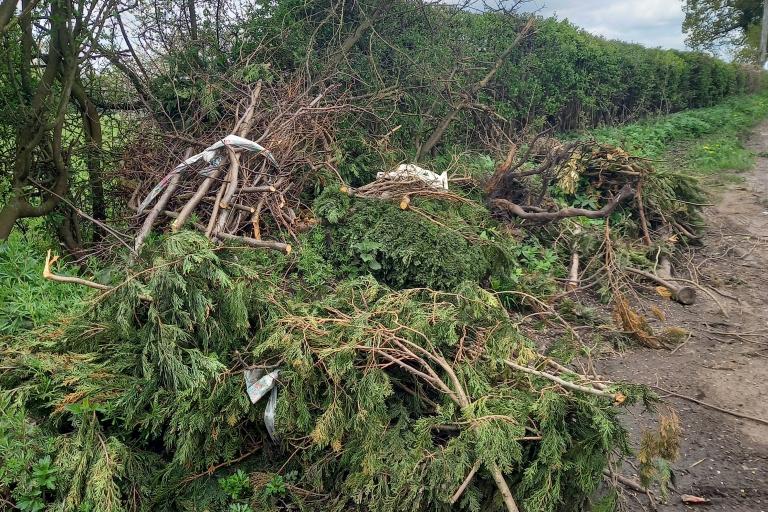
705	143
27	472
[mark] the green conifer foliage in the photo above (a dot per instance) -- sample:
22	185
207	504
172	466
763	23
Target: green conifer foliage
386	399
438	247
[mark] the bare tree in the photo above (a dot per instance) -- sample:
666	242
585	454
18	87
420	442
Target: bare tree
468	98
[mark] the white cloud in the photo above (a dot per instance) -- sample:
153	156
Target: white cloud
648	22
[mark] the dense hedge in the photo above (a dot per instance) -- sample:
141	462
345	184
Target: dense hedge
562	74
427	57
579	79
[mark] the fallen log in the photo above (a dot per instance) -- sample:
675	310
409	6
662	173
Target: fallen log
685	295
573	274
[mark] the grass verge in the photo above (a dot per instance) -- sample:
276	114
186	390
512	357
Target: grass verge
707	143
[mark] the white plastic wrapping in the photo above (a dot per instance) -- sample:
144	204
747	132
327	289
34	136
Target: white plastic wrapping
209	155
257	385
410	171
269	414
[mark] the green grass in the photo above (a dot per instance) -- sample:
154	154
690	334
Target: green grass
707	143
717	160
721	152
726	122
27	300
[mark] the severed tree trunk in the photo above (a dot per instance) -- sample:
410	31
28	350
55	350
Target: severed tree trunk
685	295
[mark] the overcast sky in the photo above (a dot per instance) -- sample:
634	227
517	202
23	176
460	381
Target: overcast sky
649	22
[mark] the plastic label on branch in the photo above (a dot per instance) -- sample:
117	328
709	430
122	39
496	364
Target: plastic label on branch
209	155
257	385
410	171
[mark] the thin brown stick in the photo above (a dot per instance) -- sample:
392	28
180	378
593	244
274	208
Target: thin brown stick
211	470
149	221
215	212
465	483
632	484
84	215
229	192
201	192
241	208
641	214
262	188
713	407
245	123
47	274
573	275
261	244
506	494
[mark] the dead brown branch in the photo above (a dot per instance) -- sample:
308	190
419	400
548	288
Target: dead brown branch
238	192
683	294
616	397
48	274
545	216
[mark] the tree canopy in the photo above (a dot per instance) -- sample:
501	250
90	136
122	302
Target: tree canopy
733	25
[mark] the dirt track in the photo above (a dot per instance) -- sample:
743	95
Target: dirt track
725	361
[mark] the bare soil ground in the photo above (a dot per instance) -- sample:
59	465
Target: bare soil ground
724	362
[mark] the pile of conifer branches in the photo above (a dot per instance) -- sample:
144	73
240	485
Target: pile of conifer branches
540	186
386	400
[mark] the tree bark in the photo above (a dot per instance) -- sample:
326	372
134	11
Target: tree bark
8	217
93	141
61	61
192	13
7	8
764	35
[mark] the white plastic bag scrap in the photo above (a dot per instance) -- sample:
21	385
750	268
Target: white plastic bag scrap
209	155
257	385
269	414
409	171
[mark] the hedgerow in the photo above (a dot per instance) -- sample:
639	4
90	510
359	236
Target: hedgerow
560	75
